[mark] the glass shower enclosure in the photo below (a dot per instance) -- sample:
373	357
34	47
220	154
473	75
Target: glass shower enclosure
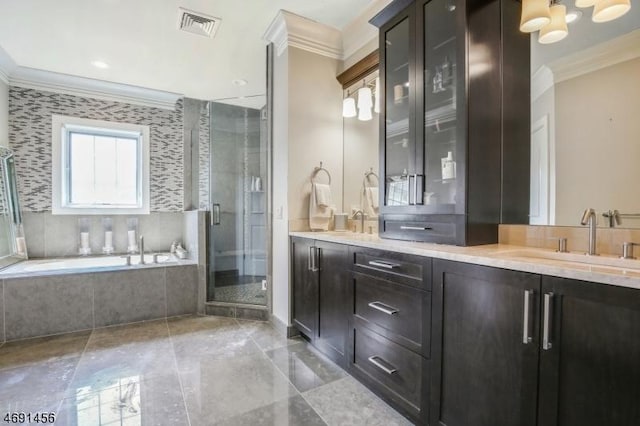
238	226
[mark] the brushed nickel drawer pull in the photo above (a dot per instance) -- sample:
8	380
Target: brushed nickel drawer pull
374	360
382	264
416	228
389	310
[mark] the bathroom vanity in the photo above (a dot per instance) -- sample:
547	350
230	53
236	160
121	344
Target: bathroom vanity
488	335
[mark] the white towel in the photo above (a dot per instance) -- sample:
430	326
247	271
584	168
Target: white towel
370	201
319	216
323	194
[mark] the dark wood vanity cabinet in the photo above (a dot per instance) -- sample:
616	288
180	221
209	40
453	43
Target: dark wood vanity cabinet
590	366
390	331
321	295
513	348
454	129
482	372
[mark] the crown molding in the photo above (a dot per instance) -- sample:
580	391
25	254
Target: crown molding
6	66
290	30
541	81
30	78
621	49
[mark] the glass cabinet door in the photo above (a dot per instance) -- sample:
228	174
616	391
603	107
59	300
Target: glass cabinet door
441	85
400	143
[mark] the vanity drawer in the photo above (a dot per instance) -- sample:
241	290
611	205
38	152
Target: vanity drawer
389	369
406	269
398	312
440	229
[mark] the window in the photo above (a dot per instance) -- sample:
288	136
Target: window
99	167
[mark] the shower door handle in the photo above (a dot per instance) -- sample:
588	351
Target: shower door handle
215	214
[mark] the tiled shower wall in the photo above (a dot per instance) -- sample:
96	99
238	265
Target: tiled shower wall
30	114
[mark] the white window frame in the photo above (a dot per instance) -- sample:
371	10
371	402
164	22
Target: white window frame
61	126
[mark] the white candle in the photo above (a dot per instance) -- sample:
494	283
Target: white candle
108	239
132	238
21	245
84	240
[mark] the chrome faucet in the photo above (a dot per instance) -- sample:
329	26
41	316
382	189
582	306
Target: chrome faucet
141	250
355	215
589	218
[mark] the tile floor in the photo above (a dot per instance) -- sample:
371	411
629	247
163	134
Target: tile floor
183	371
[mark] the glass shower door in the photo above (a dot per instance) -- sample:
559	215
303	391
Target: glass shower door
238	188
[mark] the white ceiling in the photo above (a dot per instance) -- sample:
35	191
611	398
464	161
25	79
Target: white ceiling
140	42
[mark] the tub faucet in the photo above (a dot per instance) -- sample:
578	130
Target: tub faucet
141	250
589	218
355	215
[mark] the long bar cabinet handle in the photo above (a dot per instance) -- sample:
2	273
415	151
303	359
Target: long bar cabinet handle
546	321
378	362
383	264
527	323
389	310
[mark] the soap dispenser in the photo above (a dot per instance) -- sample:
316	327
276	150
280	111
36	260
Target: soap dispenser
448	167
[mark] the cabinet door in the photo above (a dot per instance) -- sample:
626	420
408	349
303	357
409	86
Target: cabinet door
440	106
305	287
397	127
334	300
483	374
590	368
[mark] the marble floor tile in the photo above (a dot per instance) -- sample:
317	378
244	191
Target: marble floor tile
140	332
304	366
43	349
265	335
128	400
224	388
289	412
101	367
37	386
348	402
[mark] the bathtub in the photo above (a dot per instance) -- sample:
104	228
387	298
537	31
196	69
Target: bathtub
85	264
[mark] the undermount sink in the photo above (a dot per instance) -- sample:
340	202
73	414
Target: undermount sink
603	263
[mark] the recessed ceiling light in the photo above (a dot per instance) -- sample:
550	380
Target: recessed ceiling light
239	82
100	64
573	16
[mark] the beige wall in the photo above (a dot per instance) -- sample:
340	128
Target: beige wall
4	114
597	143
280	146
315	127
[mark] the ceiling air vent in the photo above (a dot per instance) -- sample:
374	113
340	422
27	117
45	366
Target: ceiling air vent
197	23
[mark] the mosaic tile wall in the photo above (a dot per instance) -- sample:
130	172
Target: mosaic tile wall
30	114
203	160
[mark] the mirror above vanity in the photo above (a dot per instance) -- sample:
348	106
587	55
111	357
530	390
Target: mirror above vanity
361	141
585	131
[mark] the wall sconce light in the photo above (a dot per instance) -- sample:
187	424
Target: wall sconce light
364	114
365	98
376	103
551	18
349	107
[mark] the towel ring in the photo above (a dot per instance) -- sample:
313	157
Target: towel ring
320	169
367	178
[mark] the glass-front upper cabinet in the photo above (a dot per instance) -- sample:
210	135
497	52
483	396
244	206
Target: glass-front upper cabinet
400	149
440	104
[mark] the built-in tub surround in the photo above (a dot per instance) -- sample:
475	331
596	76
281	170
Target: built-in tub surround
54	301
605	270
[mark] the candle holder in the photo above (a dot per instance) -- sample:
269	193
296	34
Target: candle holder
132	233
83	231
107	225
21	243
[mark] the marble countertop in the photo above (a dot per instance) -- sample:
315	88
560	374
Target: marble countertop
600	269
